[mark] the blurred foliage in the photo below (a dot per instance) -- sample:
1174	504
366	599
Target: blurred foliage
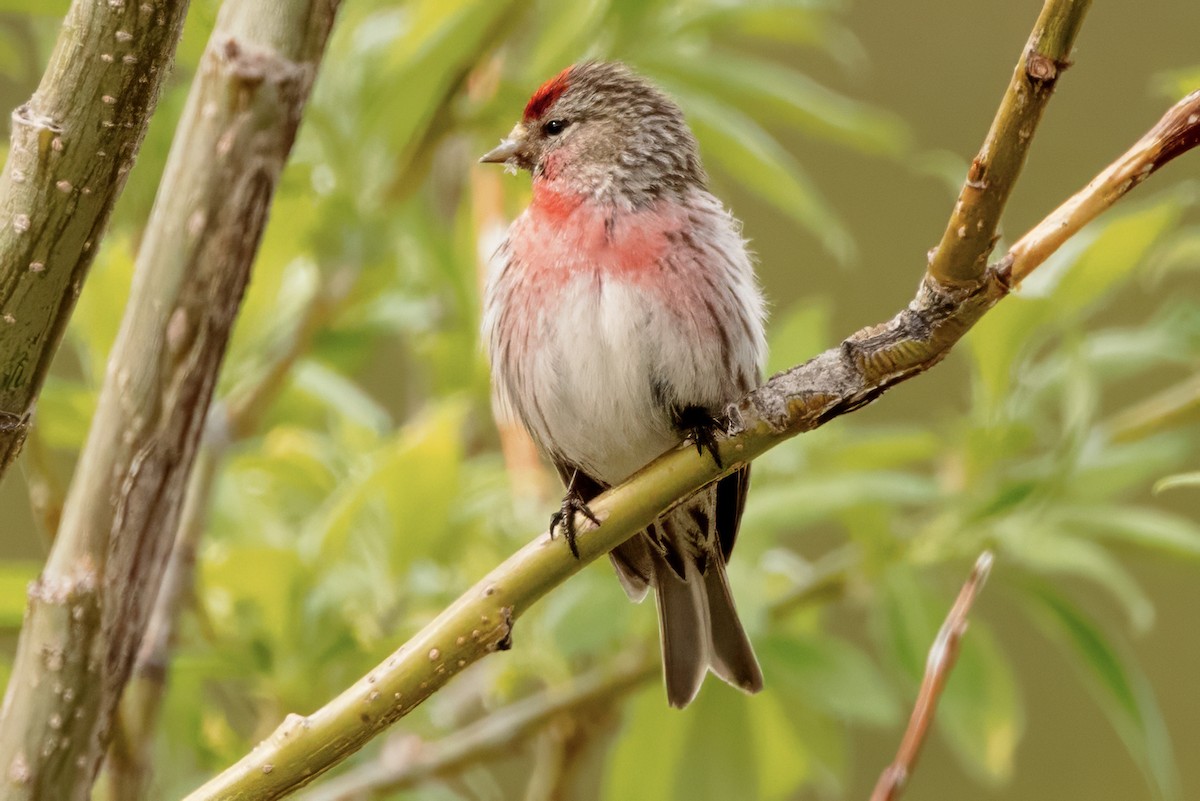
374	491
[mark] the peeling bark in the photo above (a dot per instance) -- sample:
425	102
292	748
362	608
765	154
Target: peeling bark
124	503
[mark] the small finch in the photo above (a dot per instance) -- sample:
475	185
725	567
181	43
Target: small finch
622	315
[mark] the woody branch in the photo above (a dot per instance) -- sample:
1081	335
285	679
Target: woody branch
88	608
942	656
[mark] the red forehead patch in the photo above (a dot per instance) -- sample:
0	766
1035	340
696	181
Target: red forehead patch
545	96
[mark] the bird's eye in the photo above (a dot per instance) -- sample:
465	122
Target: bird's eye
555	127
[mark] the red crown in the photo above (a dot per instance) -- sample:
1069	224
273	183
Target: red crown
545	96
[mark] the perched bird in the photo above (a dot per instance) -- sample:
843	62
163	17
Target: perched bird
622	314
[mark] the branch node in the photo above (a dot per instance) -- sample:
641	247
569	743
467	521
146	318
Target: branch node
975	175
1042	70
1001	273
506	641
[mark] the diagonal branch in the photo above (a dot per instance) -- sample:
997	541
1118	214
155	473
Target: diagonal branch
942	656
492	735
961	256
498	731
1175	134
836	382
73	145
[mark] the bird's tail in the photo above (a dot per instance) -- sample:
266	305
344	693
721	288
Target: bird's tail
698	622
700	630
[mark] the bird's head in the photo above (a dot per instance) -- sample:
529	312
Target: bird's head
597	128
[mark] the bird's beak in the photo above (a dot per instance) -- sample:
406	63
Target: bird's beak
508	148
501	153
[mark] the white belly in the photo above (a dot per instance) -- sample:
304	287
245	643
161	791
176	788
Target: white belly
596	370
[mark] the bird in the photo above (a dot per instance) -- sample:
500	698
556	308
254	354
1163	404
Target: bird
622	315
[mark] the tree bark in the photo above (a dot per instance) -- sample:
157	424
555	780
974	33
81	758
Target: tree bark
88	610
73	145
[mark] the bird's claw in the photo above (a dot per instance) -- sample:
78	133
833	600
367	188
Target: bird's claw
698	425
572	504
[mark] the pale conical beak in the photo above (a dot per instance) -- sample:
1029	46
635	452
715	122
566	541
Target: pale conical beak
509	147
502	152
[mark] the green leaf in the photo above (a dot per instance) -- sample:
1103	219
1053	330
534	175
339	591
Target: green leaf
1180	253
648	749
441	41
797	24
874	448
999	338
780	753
1118	685
1073	280
828	674
565	31
252	584
1118	250
340	395
1146	528
798	503
415	476
980	715
1177	481
770	90
1043	549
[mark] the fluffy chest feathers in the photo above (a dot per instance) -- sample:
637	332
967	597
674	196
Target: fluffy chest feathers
601	320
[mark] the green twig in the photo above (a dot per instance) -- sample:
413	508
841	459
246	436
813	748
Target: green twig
498	731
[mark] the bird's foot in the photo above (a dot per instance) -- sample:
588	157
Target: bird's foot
697	424
572	504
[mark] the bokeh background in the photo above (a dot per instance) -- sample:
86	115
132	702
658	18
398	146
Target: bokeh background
371	487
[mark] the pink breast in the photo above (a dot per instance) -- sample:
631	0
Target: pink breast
563	236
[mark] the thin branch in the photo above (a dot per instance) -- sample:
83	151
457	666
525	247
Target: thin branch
493	734
937	671
88	610
73	145
836	382
1177	132
961	257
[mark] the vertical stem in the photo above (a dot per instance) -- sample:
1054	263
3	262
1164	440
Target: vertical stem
73	145
88	610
